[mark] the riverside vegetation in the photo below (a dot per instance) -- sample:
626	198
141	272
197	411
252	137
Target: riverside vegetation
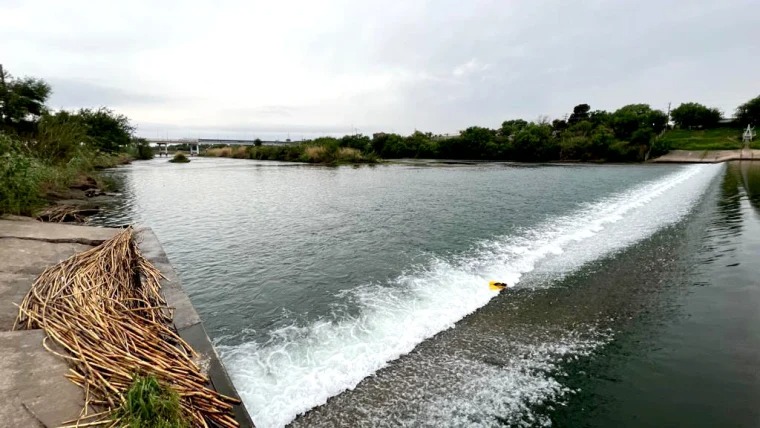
179	158
44	153
324	150
632	133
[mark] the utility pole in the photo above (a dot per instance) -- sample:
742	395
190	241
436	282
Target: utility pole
668	122
3	95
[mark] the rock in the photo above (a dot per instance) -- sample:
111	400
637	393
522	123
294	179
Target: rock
93	192
85	183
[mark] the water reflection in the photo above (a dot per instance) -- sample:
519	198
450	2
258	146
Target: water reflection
749	174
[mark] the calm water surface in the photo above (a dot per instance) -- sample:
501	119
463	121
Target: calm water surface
358	297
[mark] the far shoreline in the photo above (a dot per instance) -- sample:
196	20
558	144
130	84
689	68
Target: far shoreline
672	157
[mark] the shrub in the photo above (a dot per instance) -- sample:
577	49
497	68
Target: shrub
239	152
315	154
179	157
20	183
219	152
660	146
141	149
59	137
349	154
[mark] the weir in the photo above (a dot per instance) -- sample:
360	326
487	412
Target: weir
300	367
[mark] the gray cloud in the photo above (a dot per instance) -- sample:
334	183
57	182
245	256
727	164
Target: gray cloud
71	94
255	67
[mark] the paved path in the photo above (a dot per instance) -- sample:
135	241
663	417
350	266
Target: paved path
707	156
34	391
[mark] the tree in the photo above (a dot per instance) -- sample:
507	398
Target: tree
58	136
357	141
534	142
580	112
22	102
421	145
511	127
142	149
628	119
257	142
575	142
695	115
601	139
106	130
476	143
600	117
559	125
749	112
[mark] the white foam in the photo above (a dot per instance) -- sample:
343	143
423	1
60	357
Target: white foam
489	395
301	367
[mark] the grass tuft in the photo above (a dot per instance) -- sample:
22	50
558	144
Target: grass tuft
149	403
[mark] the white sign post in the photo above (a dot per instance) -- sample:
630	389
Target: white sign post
748	135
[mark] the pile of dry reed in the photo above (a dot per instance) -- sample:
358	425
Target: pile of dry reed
105	308
65	213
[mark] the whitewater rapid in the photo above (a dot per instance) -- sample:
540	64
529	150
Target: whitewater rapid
300	367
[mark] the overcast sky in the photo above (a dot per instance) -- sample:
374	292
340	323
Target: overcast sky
268	68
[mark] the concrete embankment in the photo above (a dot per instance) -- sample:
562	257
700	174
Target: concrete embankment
35	391
707	156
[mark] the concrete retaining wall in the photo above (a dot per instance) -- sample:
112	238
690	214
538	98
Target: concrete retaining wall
188	323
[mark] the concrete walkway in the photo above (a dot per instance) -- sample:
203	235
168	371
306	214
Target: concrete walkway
707	156
34	391
32	383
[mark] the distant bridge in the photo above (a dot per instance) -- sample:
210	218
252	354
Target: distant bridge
196	143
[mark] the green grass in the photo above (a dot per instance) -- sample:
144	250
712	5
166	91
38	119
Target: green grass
149	403
709	139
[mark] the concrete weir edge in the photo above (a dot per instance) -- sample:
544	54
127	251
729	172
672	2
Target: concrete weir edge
189	324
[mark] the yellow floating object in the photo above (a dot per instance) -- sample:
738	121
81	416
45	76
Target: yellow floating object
497	286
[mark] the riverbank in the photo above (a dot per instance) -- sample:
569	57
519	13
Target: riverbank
720	138
707	156
323	153
37	391
52	189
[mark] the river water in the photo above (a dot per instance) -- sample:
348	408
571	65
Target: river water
358	296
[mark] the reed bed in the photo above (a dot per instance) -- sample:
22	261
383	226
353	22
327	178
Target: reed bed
104	307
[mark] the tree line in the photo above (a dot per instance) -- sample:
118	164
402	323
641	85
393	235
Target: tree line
43	152
630	133
58	136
